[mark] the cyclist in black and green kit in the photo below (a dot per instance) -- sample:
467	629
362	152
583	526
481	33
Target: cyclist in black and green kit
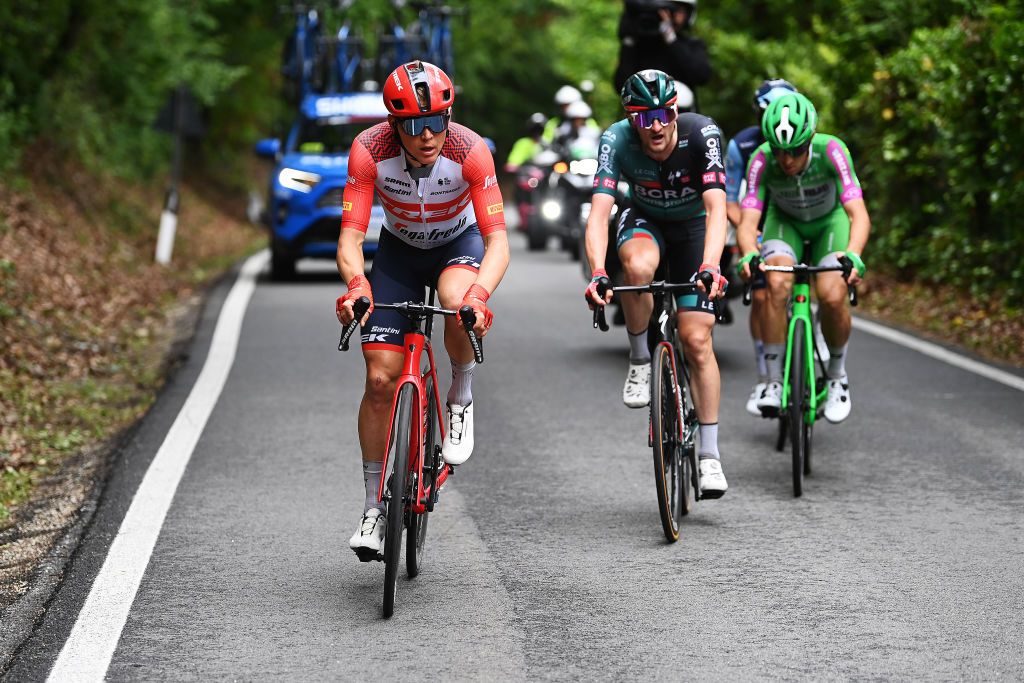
674	165
806	183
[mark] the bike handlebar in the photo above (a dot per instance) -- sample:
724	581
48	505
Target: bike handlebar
845	267
415	310
659	286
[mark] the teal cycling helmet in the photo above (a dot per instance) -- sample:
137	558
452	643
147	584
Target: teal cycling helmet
789	122
648	89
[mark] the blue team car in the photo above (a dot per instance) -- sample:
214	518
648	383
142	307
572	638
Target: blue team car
310	169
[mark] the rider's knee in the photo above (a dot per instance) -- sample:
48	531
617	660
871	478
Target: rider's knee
780	287
380	383
832	297
696	341
639	268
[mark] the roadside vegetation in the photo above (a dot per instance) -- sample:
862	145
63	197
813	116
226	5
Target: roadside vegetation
928	95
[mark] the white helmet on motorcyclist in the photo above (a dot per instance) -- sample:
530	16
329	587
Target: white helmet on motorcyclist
684	98
578	110
566	95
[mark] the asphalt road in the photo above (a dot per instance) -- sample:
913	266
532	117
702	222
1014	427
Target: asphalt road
903	559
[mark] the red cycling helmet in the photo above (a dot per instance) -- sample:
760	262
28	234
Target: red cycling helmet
417	89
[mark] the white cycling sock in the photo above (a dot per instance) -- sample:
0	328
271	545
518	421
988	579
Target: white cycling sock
639	354
709	441
837	361
461	391
371	480
762	368
774	354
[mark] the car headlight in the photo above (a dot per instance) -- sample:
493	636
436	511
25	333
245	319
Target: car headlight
551	210
294	179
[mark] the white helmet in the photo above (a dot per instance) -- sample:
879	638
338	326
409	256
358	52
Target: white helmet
567	94
684	97
578	110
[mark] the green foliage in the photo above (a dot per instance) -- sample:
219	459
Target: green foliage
927	94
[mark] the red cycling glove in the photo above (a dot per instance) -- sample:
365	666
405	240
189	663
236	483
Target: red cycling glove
591	291
357	287
716	272
476	298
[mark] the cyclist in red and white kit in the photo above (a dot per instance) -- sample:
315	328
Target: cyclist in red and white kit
444	227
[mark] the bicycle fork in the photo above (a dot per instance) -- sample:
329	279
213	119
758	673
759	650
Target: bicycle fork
801	311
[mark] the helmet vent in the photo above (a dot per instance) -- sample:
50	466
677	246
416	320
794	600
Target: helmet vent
397	104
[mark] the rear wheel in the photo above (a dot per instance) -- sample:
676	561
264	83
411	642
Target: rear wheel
416	535
797	405
401	439
668	450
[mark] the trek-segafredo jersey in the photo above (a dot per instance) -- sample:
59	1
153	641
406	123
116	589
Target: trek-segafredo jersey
670	190
461	189
828	182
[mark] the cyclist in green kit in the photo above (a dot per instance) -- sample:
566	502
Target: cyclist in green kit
807	184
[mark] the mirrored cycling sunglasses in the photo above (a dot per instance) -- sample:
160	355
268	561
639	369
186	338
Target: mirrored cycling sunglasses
437	123
646	119
799	151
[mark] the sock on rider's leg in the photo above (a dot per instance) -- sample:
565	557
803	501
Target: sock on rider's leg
709	441
837	361
639	354
461	391
371	481
773	357
762	368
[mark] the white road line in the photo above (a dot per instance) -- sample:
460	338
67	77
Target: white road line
939	353
87	653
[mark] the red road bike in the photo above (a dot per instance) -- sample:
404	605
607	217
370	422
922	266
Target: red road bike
415	433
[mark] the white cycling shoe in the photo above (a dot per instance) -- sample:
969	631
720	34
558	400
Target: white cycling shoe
752	399
636	392
712	479
837	403
368	540
770	402
458	440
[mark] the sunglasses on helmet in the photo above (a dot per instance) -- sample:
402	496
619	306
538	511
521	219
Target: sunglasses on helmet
797	152
414	125
646	119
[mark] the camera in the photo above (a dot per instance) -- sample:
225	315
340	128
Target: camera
640	18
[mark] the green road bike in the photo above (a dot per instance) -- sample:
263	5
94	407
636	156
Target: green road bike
803	388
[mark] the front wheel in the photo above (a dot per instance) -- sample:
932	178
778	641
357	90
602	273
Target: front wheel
416	535
668	449
797	405
399	445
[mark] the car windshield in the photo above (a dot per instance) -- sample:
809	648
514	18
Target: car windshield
322	137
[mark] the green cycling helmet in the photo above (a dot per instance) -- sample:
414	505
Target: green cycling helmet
789	122
648	89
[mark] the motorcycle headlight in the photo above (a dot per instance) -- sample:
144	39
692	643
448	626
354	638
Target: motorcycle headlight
551	210
294	179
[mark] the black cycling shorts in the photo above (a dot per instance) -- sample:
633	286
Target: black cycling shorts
402	272
682	250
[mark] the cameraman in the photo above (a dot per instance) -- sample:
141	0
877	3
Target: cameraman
653	34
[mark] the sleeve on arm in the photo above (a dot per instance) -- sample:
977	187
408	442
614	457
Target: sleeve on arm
756	192
606	181
846	178
359	187
706	152
478	170
733	172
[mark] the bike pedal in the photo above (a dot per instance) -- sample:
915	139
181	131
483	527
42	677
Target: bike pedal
369	555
